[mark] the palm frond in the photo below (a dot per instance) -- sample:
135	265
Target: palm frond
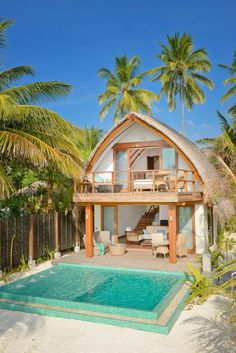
44	119
3	27
6	187
38	91
231	92
10	76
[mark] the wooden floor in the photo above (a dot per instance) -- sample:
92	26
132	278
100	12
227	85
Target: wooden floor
133	258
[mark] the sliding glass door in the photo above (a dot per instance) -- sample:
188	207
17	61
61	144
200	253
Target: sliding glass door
122	167
109	219
185	225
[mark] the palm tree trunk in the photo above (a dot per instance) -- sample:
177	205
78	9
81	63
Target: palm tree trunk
182	104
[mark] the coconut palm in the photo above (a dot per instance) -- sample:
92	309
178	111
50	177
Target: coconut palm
222	149
29	132
181	72
123	90
87	141
231	81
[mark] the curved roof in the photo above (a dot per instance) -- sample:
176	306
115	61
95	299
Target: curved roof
205	170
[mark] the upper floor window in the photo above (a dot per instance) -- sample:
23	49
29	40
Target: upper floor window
168	158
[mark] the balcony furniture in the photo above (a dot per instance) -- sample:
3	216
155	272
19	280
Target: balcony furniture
179	184
181	245
159	245
133	237
160	249
99	237
108	188
143	184
156	229
117	249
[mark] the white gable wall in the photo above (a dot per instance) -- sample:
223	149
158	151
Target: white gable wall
134	133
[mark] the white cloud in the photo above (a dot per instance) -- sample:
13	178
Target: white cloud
190	122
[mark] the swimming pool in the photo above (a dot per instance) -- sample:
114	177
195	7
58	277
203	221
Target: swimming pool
142	299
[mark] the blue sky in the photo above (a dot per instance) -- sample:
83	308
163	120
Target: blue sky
70	40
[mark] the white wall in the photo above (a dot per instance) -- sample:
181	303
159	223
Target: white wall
140	133
163	212
134	133
201	228
106	164
128	216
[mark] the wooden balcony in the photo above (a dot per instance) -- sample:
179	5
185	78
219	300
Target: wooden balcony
138	187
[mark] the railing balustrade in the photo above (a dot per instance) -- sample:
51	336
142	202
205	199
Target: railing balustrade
174	180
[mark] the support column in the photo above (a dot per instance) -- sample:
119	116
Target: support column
56	230
172	216
31	242
89	230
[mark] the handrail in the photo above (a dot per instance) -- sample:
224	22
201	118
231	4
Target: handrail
174	180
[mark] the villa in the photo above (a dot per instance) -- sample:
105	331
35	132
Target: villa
143	180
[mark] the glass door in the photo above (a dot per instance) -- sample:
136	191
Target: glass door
122	167
109	219
185	224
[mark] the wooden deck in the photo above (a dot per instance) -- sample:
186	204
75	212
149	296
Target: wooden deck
134	258
145	197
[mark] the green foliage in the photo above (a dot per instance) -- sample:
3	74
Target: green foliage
30	133
122	89
6	276
204	286
181	72
201	286
49	253
231	82
87	141
24	265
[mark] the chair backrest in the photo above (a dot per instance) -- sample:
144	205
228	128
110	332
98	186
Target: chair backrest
180	182
157	237
105	235
182	240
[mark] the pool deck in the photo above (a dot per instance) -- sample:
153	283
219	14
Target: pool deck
133	258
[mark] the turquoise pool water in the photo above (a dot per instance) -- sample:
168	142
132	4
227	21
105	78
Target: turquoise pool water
141	290
123	297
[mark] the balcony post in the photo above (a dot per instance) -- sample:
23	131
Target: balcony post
172	232
93	181
89	230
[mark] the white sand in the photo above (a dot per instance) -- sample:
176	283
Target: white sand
30	333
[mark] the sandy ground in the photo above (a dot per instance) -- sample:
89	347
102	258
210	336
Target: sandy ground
30	333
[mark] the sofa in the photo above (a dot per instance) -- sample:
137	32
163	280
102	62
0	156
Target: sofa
134	237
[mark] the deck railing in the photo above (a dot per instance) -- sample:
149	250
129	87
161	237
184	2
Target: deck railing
174	180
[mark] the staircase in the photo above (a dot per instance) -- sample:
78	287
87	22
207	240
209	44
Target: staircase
146	219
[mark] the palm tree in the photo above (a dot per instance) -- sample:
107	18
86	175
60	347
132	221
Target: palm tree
29	132
232	83
87	141
122	89
222	149
181	72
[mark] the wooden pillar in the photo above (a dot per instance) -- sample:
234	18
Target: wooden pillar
56	230
172	232
31	237
89	229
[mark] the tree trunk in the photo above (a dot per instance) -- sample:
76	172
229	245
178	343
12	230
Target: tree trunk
182	104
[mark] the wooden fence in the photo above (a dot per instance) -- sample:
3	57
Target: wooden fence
33	234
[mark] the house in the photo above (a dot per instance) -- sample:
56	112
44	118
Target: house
143	167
